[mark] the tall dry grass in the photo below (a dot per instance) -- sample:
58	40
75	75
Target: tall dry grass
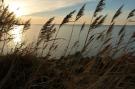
23	68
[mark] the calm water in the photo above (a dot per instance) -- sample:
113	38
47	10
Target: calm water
31	35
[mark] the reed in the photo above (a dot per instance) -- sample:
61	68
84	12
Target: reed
67	47
78	16
7	20
76	44
95	24
46	33
98	9
122	32
118	12
65	21
131	14
82	27
111	27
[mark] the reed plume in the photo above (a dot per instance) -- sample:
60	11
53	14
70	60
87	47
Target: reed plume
118	12
47	30
93	24
112	23
99	7
67	18
101	21
98	21
131	14
80	13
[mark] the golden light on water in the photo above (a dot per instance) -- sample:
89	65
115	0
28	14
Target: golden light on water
17	34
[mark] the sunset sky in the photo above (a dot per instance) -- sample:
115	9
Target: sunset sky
40	10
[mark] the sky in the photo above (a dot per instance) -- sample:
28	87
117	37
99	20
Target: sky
41	10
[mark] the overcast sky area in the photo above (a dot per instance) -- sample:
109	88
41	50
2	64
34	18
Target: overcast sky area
41	10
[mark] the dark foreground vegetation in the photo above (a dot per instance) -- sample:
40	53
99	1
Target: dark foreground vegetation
24	68
68	73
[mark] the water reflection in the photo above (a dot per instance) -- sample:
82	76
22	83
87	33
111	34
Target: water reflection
31	36
17	34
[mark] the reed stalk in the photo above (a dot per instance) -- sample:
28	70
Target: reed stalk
98	9
87	35
76	44
78	40
67	47
78	16
53	42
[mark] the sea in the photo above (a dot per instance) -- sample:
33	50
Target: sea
29	37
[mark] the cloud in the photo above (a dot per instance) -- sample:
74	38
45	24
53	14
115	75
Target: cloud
33	6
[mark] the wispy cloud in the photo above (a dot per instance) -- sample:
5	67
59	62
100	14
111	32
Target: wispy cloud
33	6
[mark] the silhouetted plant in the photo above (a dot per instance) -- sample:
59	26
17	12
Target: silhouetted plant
76	44
46	33
67	18
131	14
7	22
78	16
118	12
65	21
98	9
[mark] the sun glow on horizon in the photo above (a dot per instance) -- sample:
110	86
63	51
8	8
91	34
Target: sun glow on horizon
14	7
19	8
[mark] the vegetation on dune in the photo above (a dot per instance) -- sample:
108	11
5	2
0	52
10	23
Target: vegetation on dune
24	68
